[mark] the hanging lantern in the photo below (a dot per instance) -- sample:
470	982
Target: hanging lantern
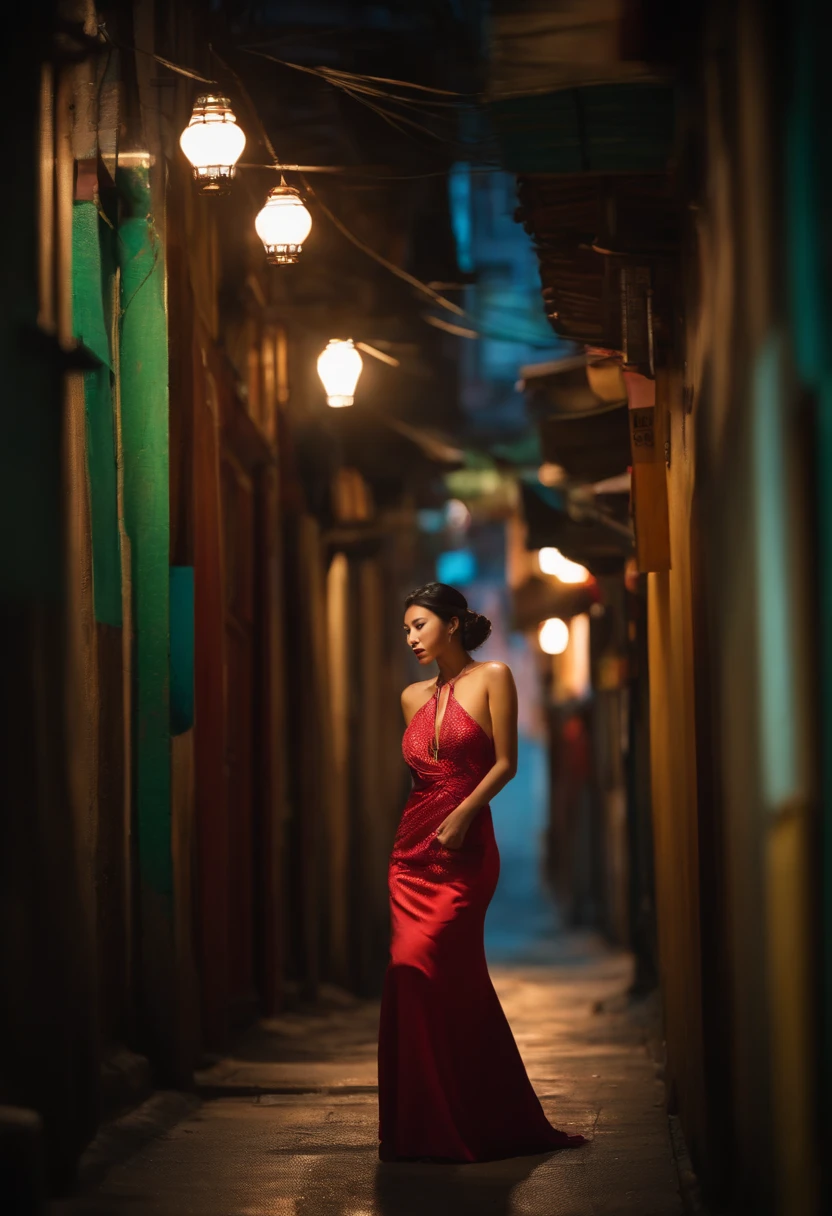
213	143
283	225
339	367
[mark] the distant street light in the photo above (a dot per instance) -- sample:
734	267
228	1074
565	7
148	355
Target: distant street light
339	367
213	143
553	636
552	561
283	225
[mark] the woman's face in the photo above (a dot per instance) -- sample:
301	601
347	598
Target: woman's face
426	633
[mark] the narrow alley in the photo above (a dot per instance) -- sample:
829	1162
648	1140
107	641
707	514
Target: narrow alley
288	1124
415	587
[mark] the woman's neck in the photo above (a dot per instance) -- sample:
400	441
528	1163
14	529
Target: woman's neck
451	665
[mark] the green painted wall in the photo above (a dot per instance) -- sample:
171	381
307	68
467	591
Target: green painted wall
143	372
93	267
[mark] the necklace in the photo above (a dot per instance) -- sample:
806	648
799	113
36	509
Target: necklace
433	747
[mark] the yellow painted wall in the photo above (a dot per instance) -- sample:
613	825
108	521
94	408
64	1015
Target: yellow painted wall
674	786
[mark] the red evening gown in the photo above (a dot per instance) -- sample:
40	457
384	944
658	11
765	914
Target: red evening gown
451	1083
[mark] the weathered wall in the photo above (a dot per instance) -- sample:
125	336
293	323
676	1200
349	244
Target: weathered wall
143	372
48	1044
674	788
808	204
731	652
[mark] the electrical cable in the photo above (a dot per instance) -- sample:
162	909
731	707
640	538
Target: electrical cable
361	94
442	301
244	93
396	270
357	171
355	76
167	63
326	74
349	82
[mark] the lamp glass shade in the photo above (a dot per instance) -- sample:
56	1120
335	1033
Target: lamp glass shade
553	636
339	367
283	225
213	142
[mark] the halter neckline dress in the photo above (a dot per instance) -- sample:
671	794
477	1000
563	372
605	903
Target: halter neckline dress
452	1084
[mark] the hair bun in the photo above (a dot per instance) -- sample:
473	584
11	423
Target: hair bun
448	603
475	629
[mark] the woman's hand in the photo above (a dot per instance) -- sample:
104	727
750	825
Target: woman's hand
451	833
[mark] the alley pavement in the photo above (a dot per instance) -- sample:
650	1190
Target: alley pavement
288	1125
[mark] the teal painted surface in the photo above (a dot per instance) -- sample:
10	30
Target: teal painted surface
181	649
92	276
777	707
89	320
143	371
600	129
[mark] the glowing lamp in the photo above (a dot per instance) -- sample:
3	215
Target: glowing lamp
457	514
213	143
339	367
553	636
283	225
552	561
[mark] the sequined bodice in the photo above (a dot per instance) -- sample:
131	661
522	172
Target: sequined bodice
440	784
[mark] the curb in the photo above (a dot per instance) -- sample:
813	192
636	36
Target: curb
124	1137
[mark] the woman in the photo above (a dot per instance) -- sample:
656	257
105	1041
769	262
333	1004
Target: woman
452	1085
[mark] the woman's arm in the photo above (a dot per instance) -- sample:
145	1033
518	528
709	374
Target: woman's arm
502	703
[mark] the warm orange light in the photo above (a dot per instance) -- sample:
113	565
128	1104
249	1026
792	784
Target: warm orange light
552	561
283	225
553	636
213	142
339	367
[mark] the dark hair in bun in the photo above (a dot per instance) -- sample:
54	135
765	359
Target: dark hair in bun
447	603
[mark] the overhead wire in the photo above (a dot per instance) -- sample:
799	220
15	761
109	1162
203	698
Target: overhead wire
438	299
460	331
327	74
354	76
358	171
244	93
351	83
167	63
441	300
354	85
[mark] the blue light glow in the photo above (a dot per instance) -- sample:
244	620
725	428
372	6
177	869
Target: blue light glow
456	566
459	190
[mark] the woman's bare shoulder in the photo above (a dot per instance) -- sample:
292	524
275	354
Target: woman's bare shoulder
416	693
414	697
497	677
496	672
